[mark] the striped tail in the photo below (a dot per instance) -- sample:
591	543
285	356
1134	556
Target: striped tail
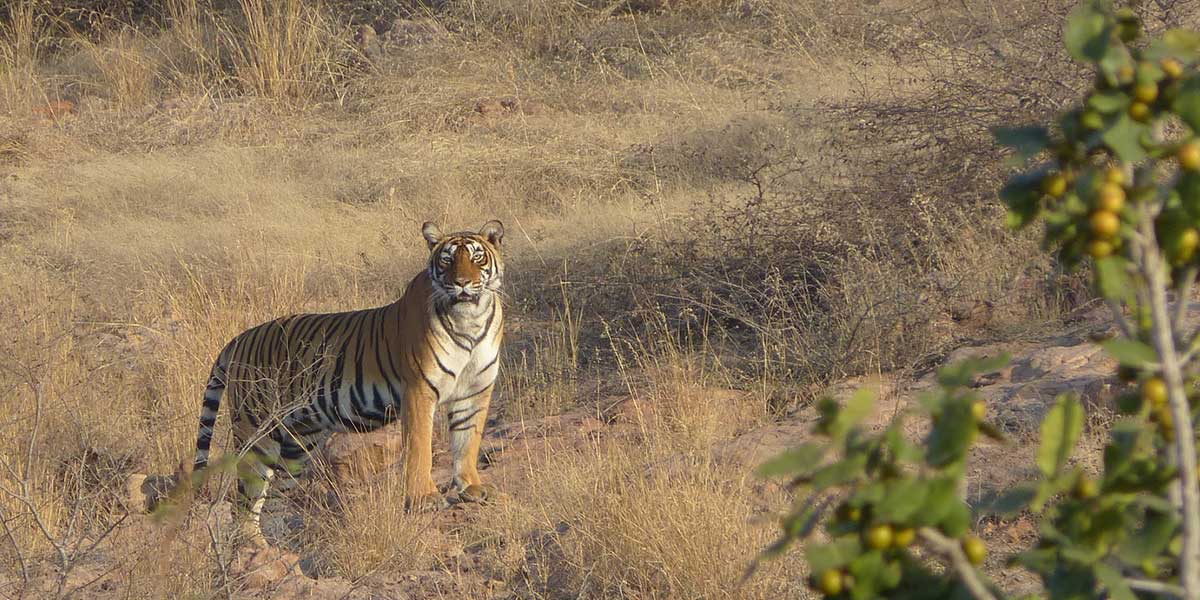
208	413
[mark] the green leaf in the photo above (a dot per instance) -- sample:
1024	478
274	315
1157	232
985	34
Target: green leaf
1124	137
963	372
1188	189
1116	57
957	519
1150	540
834	555
1109	102
798	461
1113	582
1027	141
840	472
1010	501
1112	278
952	435
1087	34
1187	102
902	498
1060	431
902	451
866	569
941	494
856	409
1130	353
1021	195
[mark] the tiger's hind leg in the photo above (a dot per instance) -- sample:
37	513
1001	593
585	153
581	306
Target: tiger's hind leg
254	479
293	457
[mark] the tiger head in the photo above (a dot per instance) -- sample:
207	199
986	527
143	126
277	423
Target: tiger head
464	266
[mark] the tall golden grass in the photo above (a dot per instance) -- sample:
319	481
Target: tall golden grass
227	167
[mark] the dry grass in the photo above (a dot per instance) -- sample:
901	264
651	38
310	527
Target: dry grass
371	534
614	521
714	208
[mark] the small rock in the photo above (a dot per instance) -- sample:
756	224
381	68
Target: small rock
410	32
358	457
367	42
143	493
265	567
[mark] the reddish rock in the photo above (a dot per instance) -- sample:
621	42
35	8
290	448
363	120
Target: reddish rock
54	110
264	568
357	457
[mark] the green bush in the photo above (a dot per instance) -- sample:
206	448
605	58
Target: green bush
1116	183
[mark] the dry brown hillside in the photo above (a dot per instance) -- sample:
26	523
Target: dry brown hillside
716	209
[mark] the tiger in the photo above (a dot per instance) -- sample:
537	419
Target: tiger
291	382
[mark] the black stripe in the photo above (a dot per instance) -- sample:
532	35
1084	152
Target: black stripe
438	360
476	393
454	424
449	327
437	394
489	365
394	375
487	327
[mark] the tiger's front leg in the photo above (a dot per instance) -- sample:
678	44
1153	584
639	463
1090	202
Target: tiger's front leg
466	419
417	428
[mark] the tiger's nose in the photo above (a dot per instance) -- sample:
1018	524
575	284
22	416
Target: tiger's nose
462	281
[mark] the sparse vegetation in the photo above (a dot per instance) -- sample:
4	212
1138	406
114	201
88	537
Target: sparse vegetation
716	209
1111	181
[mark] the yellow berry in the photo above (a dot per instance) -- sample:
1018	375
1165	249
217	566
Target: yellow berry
1098	249
975	549
1111	198
1125	74
1104	224
1189	156
1085	488
830	582
1091	119
1172	67
1139	111
879	537
1054	185
1115	175
979	410
1154	392
1146	92
904	538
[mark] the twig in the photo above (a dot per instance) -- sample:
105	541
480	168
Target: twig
1182	300
1146	254
1155	587
16	550
1119	317
958	559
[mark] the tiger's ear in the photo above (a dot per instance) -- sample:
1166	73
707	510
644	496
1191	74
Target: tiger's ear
431	232
493	231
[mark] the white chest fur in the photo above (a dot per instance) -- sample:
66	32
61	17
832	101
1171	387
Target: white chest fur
467	346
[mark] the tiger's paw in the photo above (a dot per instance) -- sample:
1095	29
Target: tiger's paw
477	492
426	503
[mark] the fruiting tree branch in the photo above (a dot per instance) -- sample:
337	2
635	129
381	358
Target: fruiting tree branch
958	559
1150	261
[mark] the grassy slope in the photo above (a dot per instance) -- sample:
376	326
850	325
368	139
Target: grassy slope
181	202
